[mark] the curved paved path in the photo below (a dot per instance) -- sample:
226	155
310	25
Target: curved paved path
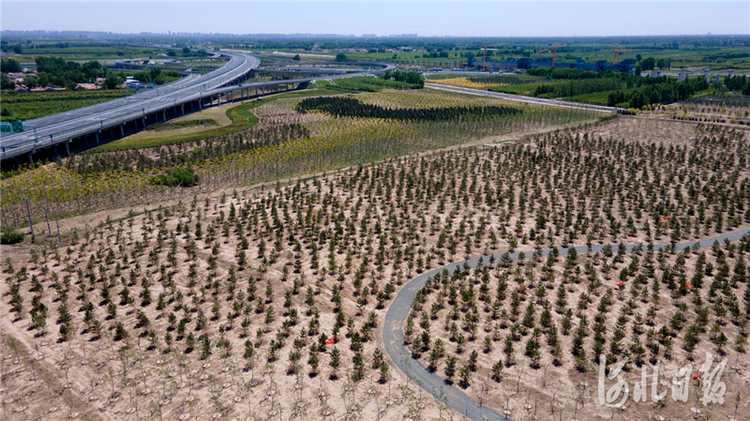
395	318
522	98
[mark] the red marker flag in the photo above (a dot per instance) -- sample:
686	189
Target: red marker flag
329	341
666	218
698	374
688	285
619	284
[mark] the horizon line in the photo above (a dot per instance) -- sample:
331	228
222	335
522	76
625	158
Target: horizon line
367	35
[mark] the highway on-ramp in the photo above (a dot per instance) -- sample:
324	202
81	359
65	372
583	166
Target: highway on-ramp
400	355
57	127
192	90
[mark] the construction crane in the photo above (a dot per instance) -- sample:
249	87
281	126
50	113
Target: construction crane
555	46
542	50
619	50
484	60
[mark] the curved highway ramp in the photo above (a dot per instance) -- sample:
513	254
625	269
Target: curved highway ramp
58	133
125	114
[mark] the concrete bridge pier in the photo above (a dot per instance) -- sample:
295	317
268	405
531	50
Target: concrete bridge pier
67	147
96	135
182	106
122	130
164	112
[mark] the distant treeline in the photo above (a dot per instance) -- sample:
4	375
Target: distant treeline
738	83
586	82
550	73
350	107
59	72
664	92
578	87
413	78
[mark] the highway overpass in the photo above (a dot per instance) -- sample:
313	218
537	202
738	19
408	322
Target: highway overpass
77	129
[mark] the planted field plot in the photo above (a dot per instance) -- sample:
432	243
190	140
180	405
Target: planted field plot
727	110
221	306
532	333
229	118
283	112
32	105
425	98
465	82
368	84
287	147
486	81
421	99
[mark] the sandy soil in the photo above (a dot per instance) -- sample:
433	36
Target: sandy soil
290	258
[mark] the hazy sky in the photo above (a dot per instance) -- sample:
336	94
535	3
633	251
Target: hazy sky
383	18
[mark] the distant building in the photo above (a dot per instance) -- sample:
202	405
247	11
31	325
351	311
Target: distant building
86	86
136	84
16	77
48	89
21	89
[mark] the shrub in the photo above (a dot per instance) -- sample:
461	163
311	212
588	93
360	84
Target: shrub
10	235
184	177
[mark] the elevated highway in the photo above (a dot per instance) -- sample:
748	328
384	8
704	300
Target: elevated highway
76	129
143	108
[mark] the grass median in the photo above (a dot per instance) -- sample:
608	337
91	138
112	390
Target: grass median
230	118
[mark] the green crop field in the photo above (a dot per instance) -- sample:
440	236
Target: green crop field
525	88
85	51
367	84
32	105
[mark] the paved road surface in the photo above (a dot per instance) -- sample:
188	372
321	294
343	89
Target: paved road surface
395	318
522	98
57	125
58	128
